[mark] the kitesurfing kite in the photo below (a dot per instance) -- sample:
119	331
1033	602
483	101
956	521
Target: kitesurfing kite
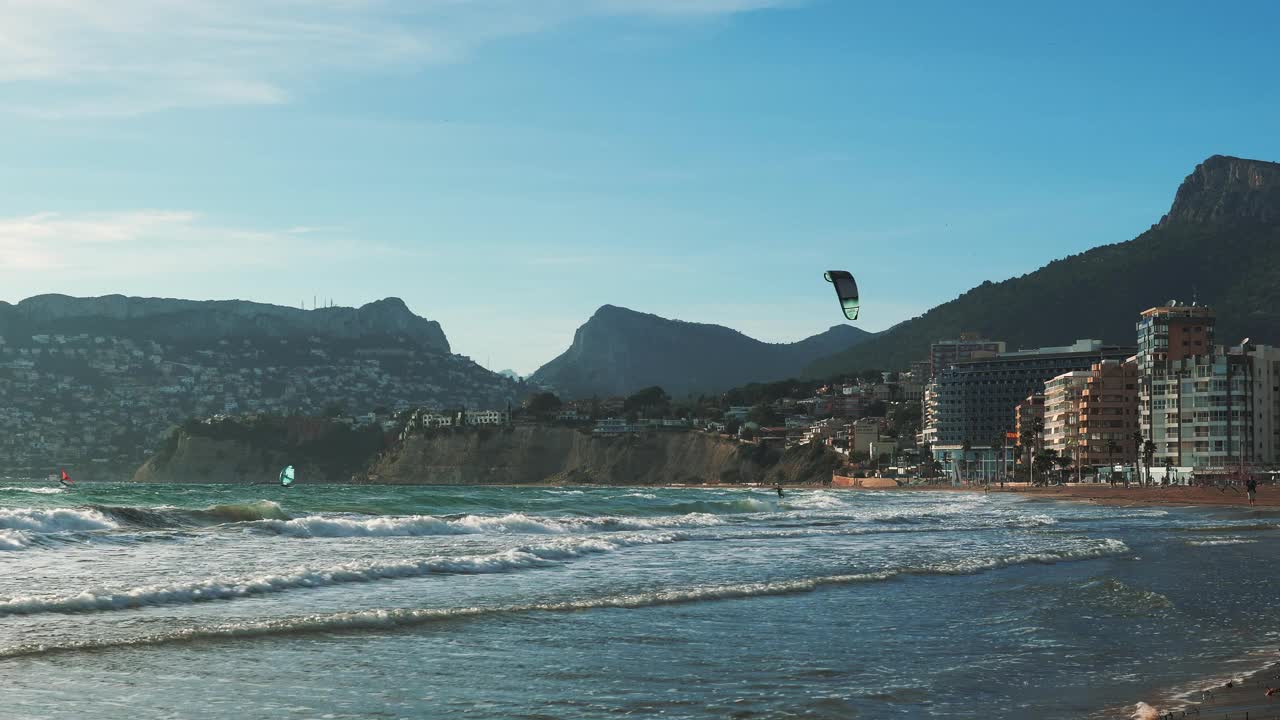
846	290
66	479
286	476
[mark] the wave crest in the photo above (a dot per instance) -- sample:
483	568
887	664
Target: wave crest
58	520
389	619
522	558
513	524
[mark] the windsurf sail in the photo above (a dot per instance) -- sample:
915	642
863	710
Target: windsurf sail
286	476
66	479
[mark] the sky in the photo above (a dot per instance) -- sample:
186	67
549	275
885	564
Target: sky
508	166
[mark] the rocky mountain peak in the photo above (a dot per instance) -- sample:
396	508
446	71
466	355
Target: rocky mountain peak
1226	189
160	318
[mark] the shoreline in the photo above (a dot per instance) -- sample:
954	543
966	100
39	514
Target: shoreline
1242	695
1206	694
1173	496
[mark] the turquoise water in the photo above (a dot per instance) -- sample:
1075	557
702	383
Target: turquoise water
146	601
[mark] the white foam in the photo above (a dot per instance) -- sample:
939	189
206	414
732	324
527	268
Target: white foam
816	500
532	556
1210	541
1143	711
318	526
36	490
1094	549
513	523
382	619
14	540
54	521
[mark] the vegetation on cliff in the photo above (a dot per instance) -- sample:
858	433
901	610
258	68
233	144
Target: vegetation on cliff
529	454
1219	245
618	351
253	450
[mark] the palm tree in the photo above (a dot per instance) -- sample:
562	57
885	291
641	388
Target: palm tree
1148	453
1113	449
1045	461
997	447
1064	462
965	447
1037	437
1137	456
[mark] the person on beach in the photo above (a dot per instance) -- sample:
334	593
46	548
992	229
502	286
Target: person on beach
1251	489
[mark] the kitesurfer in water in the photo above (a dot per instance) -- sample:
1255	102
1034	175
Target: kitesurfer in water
779	489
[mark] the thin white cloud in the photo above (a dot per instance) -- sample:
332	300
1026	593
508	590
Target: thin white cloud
125	57
156	242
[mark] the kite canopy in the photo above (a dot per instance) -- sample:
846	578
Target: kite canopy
846	290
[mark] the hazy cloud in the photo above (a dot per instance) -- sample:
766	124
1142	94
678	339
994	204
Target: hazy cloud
123	57
156	242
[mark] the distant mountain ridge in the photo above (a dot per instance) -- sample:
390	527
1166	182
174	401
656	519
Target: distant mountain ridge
171	319
618	351
1219	244
103	379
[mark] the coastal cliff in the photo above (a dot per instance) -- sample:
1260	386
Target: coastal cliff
249	453
232	453
530	454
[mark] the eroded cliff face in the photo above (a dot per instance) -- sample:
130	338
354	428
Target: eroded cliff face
198	459
561	455
231	452
513	455
1225	189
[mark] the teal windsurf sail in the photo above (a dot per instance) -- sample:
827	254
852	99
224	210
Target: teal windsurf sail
286	476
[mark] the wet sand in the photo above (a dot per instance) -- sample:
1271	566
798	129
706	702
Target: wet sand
1268	495
1245	698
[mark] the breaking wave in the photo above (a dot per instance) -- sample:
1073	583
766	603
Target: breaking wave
513	523
527	557
34	489
390	619
59	520
14	540
533	556
1211	541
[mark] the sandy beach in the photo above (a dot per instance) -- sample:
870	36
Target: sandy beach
1268	495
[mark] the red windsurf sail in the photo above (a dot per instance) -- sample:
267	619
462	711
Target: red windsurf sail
66	479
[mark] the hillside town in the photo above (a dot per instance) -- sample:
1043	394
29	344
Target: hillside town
1175	408
77	399
1172	408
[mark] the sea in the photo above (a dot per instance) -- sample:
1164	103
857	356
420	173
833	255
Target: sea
331	601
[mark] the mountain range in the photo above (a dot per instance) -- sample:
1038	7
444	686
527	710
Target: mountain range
104	379
1218	245
166	319
618	351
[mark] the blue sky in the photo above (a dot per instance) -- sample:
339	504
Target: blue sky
507	166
